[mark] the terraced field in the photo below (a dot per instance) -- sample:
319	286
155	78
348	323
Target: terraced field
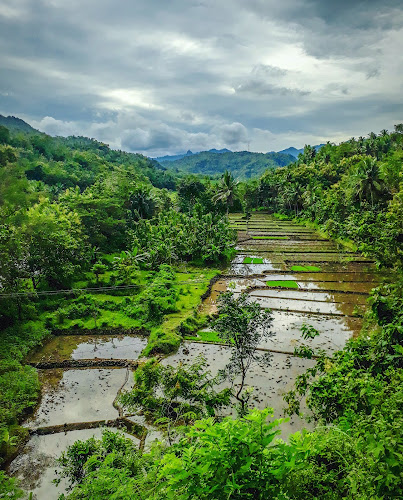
302	277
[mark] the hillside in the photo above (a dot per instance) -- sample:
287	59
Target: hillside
64	162
295	152
243	164
169	158
16	124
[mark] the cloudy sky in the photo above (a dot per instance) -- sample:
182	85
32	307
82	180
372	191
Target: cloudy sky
163	76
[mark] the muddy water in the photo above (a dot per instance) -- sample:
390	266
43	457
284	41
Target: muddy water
270	383
90	347
331	299
71	396
36	466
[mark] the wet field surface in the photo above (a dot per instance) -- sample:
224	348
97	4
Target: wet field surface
83	395
299	275
90	347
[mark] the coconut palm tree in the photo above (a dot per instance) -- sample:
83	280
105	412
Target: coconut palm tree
226	190
368	183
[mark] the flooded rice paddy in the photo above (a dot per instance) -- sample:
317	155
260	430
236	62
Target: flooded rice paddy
297	274
90	347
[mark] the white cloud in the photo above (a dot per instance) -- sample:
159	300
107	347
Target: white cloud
166	77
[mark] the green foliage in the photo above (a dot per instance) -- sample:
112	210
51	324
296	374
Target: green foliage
253	260
237	459
243	325
173	236
353	191
242	164
193	324
158	299
162	342
226	190
168	395
282	284
230	459
303	269
19	383
103	469
9	488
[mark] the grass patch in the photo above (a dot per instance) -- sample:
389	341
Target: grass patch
270	238
206	336
282	284
278	216
304	269
253	260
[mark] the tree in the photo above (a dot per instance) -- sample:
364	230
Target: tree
190	189
8	154
170	395
55	244
142	203
12	273
226	190
243	325
128	263
368	184
4	135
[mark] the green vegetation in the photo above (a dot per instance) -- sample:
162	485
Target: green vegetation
282	284
352	191
95	239
129	239
253	260
242	164
168	395
243	325
303	269
206	336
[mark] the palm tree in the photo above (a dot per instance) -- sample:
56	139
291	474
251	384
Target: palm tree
368	182
226	190
142	203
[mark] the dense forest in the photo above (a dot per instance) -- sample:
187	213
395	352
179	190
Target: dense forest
92	238
242	164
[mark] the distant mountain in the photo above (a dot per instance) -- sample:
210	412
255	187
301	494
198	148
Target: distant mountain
295	152
242	164
14	123
164	159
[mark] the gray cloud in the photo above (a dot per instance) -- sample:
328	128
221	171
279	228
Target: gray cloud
262	88
161	77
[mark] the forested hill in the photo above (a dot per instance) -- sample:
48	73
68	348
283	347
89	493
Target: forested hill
242	164
66	162
16	124
169	158
296	152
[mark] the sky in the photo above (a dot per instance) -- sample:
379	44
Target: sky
164	76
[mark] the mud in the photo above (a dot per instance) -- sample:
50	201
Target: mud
78	347
77	396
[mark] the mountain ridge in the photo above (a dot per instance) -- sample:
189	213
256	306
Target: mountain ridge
295	152
162	159
242	164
